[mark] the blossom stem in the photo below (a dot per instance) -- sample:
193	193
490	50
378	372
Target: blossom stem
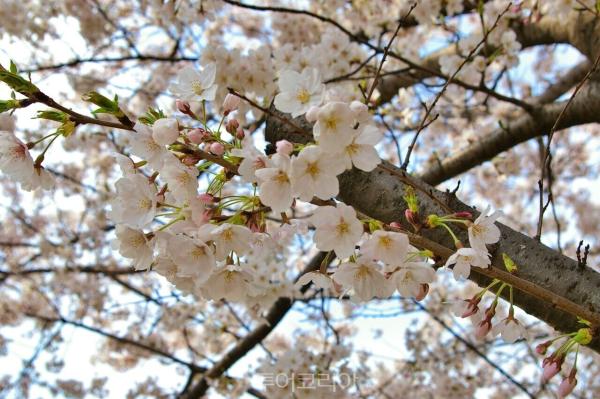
456	240
172	222
34	143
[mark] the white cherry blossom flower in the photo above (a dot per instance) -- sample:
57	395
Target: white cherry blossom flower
167	268
134	245
314	174
510	329
228	237
364	279
334	128
275	183
229	282
135	202
16	162
464	258
144	146
409	278
180	178
299	91
387	246
483	230
337	229
39	178
196	86
253	160
320	280
192	257
361	151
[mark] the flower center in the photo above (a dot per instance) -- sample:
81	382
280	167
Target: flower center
342	228
303	96
385	242
197	87
312	169
362	272
331	122
282	178
145	204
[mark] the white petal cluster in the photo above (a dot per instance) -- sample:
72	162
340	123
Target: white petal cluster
16	162
193	85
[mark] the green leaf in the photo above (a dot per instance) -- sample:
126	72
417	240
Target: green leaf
13	67
584	321
52	115
151	116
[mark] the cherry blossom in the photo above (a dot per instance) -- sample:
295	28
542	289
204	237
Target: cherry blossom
135	202
361	152
133	244
314	174
299	91
334	128
275	183
510	329
387	246
192	85
192	257
229	282
464	258
180	178
144	146
337	229
409	278
364	279
229	237
483	230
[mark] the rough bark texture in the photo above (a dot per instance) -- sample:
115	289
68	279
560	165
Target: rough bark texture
379	193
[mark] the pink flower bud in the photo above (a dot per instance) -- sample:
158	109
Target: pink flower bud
284	147
311	114
550	370
239	133
231	126
217	148
183	106
231	103
196	136
206	198
396	225
542	348
411	217
483	329
190	160
566	386
464	214
423	291
471	309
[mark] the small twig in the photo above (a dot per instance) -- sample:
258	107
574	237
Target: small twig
582	260
546	164
424	121
386	51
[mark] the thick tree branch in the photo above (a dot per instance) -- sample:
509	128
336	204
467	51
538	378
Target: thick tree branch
563	290
582	110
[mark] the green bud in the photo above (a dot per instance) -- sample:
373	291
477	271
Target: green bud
107	106
16	82
151	116
510	265
52	115
434	220
411	199
7	105
583	336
